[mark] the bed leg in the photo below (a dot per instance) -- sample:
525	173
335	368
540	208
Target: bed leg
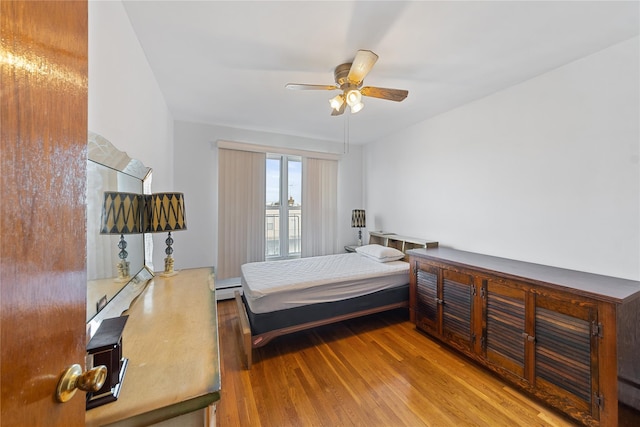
244	333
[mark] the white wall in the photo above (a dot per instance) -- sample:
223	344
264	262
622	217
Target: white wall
125	102
196	175
545	171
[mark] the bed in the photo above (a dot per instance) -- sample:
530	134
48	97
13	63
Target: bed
282	297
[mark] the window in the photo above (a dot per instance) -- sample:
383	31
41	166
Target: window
283	210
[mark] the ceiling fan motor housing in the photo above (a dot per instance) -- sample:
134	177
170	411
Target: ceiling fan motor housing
341	72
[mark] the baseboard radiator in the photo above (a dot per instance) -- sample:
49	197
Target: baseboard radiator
225	289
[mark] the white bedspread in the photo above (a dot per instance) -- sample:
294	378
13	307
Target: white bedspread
276	285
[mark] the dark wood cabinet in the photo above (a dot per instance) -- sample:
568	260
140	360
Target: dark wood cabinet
550	331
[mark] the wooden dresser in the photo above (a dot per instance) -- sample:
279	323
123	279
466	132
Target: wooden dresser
171	341
567	337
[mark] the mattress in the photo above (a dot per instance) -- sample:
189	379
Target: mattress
280	285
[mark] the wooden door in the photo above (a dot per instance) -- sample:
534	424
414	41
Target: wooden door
456	303
566	351
426	297
43	130
505	335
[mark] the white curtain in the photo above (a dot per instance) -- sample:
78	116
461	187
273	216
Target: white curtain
241	207
319	206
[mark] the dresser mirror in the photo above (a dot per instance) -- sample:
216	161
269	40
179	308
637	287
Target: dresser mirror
108	292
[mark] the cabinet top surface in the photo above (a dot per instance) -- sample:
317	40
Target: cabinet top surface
596	286
171	341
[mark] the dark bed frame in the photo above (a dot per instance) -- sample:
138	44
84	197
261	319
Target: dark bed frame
256	330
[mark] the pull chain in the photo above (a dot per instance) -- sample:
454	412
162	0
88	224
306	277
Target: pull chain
346	133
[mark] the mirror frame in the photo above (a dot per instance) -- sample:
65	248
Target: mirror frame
102	152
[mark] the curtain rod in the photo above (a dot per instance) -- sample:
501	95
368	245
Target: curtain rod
231	145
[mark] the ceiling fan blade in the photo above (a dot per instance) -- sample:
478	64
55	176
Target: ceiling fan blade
361	65
335	112
383	93
296	86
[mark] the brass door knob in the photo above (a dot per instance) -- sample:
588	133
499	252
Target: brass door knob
73	379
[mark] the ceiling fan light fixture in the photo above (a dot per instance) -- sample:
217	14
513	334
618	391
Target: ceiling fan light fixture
354	97
336	102
355	108
349	78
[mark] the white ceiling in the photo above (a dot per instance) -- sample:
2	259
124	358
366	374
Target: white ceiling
227	62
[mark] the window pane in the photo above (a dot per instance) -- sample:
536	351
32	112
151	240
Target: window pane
295	182
294	170
273	182
272	211
272	230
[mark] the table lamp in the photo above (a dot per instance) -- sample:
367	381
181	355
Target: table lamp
167	214
121	214
359	220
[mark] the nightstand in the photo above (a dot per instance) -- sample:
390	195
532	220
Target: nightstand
350	248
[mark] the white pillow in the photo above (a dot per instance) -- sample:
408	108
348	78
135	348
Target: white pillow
380	253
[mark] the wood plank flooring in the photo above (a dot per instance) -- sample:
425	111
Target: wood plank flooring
372	371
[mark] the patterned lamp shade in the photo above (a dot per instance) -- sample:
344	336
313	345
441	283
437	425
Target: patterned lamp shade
165	212
121	213
358	218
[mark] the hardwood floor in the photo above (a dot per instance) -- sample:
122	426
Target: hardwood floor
372	371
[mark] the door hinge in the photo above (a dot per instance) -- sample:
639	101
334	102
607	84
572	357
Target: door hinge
599	400
596	329
483	342
528	337
473	290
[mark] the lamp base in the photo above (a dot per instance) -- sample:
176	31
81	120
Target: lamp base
123	272
168	267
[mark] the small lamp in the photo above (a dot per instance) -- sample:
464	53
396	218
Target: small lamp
336	102
354	100
359	220
167	214
121	214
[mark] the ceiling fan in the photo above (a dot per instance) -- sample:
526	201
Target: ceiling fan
349	78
